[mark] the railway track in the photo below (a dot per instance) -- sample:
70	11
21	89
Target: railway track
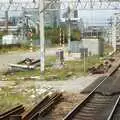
41	109
18	110
101	104
36	113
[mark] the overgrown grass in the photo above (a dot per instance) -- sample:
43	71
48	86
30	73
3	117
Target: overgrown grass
71	68
11	97
19	47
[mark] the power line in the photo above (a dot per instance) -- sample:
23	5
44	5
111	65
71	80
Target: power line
80	4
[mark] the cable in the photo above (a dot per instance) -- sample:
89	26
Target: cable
48	5
79	3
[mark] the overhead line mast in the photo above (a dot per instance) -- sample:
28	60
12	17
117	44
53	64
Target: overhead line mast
42	36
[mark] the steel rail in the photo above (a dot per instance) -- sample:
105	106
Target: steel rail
73	112
31	113
49	106
43	107
14	111
114	108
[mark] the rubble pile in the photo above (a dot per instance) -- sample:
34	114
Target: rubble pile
101	68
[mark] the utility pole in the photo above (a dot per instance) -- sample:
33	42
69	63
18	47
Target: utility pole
69	27
84	61
60	36
6	15
69	34
114	32
23	25
63	38
31	42
6	22
42	37
69	24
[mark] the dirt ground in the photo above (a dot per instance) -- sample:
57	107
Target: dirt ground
73	85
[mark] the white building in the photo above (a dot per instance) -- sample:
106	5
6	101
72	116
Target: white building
9	39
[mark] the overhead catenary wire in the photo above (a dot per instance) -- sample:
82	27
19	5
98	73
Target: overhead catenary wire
81	5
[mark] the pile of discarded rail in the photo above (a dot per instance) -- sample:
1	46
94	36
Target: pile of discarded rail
101	68
39	111
26	64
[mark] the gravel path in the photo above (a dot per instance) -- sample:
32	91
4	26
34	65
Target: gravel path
73	85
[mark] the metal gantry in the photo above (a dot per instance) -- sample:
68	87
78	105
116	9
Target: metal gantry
17	5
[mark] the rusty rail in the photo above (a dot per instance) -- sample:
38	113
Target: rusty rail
43	107
14	111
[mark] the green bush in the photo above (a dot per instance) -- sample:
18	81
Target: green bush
75	34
